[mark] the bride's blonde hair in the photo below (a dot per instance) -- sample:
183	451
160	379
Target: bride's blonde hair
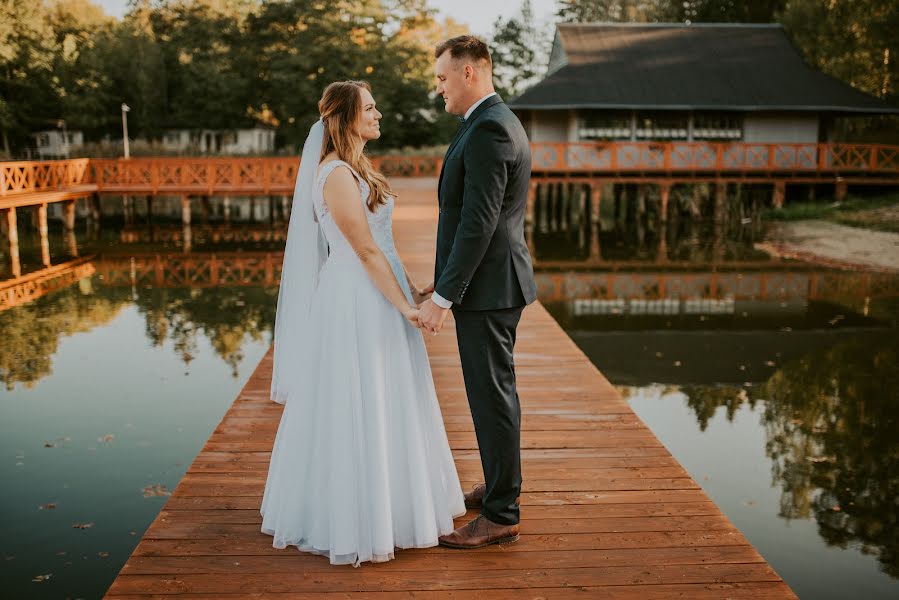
340	108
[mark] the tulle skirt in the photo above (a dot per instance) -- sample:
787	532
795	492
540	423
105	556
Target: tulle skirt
361	464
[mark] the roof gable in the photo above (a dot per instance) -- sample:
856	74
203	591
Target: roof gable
712	66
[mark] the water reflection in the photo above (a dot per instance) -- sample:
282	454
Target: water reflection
227	317
832	427
629	225
775	383
684	308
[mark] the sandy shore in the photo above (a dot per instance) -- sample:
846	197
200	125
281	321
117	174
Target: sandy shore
834	245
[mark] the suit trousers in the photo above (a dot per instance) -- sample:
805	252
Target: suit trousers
486	340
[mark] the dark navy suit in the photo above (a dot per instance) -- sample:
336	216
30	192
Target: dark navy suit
483	266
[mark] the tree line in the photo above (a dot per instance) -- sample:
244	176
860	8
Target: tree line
217	64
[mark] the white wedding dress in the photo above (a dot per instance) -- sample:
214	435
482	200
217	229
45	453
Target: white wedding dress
361	463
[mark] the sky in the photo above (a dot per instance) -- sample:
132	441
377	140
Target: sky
479	14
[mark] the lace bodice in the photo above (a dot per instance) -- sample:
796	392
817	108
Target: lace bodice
380	222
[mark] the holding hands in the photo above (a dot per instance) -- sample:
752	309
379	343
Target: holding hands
427	315
431	317
420	295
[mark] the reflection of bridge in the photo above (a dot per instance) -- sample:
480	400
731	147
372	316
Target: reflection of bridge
688	286
27	288
204	234
619	282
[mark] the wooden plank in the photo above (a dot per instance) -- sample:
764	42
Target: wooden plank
702	591
606	510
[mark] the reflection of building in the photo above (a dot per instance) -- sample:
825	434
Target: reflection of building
670	82
256	140
56	143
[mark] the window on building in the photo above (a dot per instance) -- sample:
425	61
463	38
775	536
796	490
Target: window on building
717	126
604	126
662	126
43	140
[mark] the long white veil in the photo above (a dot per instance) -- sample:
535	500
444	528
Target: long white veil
305	252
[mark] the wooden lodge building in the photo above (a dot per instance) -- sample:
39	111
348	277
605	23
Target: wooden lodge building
675	82
714	115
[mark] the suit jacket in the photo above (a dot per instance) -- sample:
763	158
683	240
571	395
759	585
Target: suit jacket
482	259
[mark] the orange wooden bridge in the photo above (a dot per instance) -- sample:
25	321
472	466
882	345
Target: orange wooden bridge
606	510
584	167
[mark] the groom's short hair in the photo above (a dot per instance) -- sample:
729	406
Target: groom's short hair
465	46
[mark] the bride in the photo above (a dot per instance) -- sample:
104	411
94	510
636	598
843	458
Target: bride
361	464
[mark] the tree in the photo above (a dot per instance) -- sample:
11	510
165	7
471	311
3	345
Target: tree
589	11
519	52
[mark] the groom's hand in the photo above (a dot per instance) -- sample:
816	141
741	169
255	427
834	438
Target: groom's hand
431	316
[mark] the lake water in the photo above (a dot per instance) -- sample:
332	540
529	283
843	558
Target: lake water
775	384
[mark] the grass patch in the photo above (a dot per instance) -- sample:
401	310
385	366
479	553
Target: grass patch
878	212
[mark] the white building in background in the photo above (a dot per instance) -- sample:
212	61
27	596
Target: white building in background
53	144
256	140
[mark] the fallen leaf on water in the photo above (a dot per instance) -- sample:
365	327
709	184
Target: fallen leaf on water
83	525
106	438
749	502
47	506
40	578
61	553
102	554
156	490
836	319
56	442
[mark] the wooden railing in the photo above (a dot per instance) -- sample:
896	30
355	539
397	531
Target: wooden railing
277	175
46	175
715	157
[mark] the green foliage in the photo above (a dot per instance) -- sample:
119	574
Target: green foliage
216	64
627	11
877	212
519	50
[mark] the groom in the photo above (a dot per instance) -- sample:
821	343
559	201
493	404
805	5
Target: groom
483	273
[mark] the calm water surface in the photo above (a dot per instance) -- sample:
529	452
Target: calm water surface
774	383
111	386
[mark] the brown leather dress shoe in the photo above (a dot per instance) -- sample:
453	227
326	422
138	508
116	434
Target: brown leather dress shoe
475	498
480	532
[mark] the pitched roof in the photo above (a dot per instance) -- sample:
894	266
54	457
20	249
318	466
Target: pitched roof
672	66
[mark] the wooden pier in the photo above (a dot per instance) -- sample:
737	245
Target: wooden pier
606	510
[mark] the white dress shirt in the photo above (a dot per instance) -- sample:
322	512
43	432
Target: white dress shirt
437	298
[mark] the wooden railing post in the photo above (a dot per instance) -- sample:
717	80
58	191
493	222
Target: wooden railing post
69	215
780	192
664	193
12	232
185	209
840	190
720	199
42	231
595	201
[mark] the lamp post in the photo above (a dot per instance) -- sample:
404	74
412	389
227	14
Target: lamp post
61	123
125	109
